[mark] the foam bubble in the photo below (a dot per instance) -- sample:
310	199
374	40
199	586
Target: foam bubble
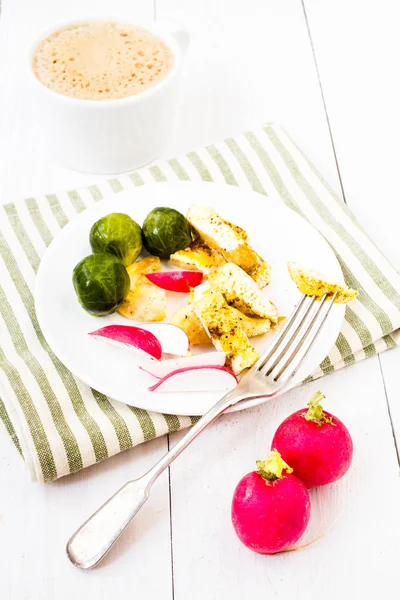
100	61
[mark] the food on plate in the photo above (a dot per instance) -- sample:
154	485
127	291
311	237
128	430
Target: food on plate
253	326
241	292
176	281
187	319
173	339
208	378
144	301
225	331
237	229
164	367
165	231
101	283
132	337
316	444
270	507
312	283
225	310
117	234
197	256
197	292
224	238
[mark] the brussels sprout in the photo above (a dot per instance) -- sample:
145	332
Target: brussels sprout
117	234
101	283
165	231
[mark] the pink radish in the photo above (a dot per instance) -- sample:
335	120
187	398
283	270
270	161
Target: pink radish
176	281
173	339
196	379
132	337
270	510
316	444
165	367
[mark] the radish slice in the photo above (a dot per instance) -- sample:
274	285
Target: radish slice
133	338
165	367
176	281
173	339
196	379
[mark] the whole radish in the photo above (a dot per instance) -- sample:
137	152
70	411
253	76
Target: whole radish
270	509
316	444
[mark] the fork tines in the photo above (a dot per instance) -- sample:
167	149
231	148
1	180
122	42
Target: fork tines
283	358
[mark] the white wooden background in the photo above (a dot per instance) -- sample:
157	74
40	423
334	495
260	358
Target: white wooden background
328	72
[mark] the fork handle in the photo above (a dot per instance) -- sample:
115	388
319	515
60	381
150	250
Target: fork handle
91	542
212	415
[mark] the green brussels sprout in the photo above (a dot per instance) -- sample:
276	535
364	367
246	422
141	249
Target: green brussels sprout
101	283
165	231
117	234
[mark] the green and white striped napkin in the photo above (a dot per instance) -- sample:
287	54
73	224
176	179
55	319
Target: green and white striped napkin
60	425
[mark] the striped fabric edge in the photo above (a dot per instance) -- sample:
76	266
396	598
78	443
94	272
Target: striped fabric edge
266	161
10	418
9	427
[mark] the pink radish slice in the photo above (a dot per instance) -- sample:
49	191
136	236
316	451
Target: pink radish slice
196	379
134	338
165	367
173	339
176	281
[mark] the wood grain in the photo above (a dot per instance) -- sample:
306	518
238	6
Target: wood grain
248	63
354	558
362	99
35	520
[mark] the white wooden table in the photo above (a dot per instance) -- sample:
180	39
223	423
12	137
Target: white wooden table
328	72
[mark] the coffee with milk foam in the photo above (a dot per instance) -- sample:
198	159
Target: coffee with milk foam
101	60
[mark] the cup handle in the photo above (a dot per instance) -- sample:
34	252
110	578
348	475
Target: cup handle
179	32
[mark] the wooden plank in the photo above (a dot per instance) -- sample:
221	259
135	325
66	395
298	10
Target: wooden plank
37	520
390	370
249	63
357	515
357	48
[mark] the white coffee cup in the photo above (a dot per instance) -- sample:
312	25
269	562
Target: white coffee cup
110	136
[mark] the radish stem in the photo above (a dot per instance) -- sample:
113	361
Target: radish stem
315	411
271	468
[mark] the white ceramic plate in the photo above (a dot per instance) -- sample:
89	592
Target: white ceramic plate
277	233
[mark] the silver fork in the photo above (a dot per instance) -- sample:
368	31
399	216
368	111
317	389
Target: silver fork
269	375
